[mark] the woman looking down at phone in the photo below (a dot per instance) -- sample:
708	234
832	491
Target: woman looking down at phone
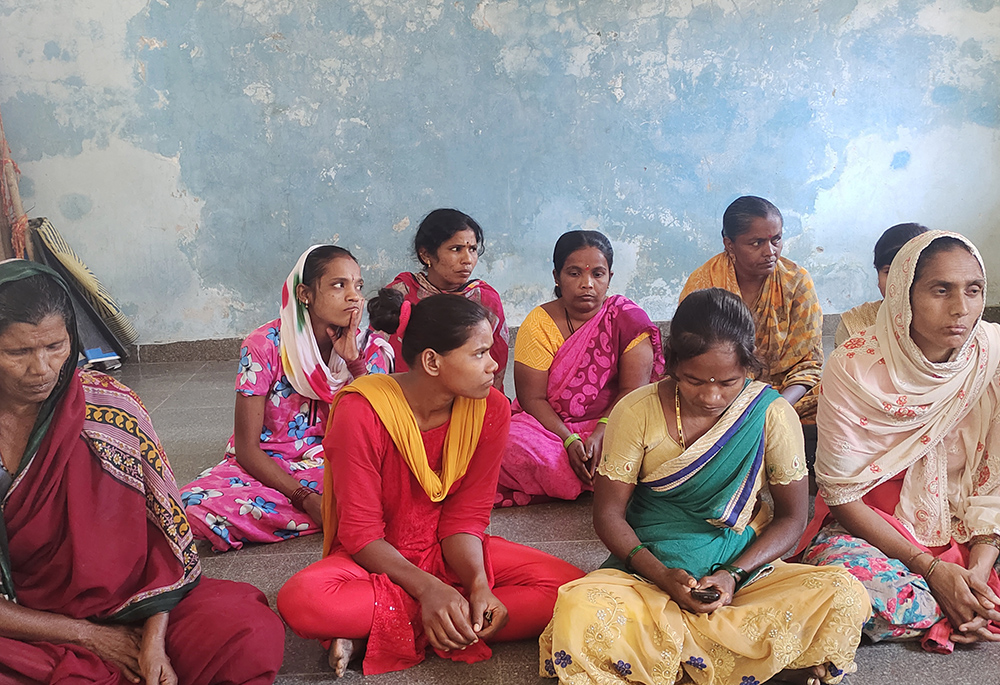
694	580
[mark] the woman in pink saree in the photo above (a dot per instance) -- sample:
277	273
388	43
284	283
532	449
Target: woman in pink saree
574	358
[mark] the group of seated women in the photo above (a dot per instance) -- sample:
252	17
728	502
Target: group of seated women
396	442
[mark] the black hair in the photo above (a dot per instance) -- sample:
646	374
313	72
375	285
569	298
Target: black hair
571	241
383	310
29	300
741	213
945	243
317	260
440	322
439	226
710	317
892	241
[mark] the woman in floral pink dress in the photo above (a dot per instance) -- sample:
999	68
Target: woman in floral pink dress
268	487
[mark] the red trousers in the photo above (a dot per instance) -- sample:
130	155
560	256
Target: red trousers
334	597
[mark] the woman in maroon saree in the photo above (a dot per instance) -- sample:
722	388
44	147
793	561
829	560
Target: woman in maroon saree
574	358
101	581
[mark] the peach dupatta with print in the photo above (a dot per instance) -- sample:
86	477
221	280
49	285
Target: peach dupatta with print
885	409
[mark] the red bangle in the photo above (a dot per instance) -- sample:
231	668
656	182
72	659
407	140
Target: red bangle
298	497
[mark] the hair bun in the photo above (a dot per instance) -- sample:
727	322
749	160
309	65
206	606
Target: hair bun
383	310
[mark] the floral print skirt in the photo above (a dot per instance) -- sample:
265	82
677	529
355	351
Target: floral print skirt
902	604
228	508
612	627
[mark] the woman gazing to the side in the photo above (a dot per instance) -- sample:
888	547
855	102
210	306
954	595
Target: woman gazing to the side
779	293
407	561
448	245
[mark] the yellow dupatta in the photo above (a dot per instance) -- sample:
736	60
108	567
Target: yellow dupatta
386	398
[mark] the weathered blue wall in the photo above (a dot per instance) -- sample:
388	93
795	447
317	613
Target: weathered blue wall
191	150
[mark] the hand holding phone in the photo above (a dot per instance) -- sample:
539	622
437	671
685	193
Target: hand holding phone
706	595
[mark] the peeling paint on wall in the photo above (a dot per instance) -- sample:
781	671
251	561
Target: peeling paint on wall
190	151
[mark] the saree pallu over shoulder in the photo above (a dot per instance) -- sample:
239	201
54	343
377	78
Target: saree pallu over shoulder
788	321
694	512
100	447
415	287
583	376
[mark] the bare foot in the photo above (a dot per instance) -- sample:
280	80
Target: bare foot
803	676
342	653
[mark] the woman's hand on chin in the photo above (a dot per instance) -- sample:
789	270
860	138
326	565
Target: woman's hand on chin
345	338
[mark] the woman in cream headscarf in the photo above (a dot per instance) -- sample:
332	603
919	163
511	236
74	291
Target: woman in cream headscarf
267	488
908	461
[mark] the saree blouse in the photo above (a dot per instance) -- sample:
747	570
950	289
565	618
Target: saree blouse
539	338
637	442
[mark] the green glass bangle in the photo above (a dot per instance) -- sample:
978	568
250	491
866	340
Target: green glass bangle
573	437
635	550
738	574
603	419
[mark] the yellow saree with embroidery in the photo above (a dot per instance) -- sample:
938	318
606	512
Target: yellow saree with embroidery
615	627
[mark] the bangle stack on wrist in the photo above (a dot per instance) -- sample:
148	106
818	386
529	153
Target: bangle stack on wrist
738	575
991	539
930	568
298	497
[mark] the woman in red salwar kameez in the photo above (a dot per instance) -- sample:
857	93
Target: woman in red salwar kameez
407	562
99	578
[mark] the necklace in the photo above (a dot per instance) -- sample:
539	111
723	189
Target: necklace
569	323
677	413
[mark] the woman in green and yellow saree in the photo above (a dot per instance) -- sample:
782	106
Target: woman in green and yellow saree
694	589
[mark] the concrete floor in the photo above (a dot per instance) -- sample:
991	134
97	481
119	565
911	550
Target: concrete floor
192	409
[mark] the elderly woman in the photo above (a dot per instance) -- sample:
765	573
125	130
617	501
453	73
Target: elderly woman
779	293
908	461
101	582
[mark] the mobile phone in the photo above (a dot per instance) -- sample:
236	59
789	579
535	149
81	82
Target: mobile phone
706	595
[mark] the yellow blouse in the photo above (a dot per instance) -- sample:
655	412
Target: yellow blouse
539	338
637	442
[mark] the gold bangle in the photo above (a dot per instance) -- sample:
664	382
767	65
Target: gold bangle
992	540
930	569
913	557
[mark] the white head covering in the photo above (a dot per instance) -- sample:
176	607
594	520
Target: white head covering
884	408
300	355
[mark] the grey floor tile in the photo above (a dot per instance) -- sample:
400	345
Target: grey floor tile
518	662
908	663
268	573
553	522
586	555
193	438
211	390
309	544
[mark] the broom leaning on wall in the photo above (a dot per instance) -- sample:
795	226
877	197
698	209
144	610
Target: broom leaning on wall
104	329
